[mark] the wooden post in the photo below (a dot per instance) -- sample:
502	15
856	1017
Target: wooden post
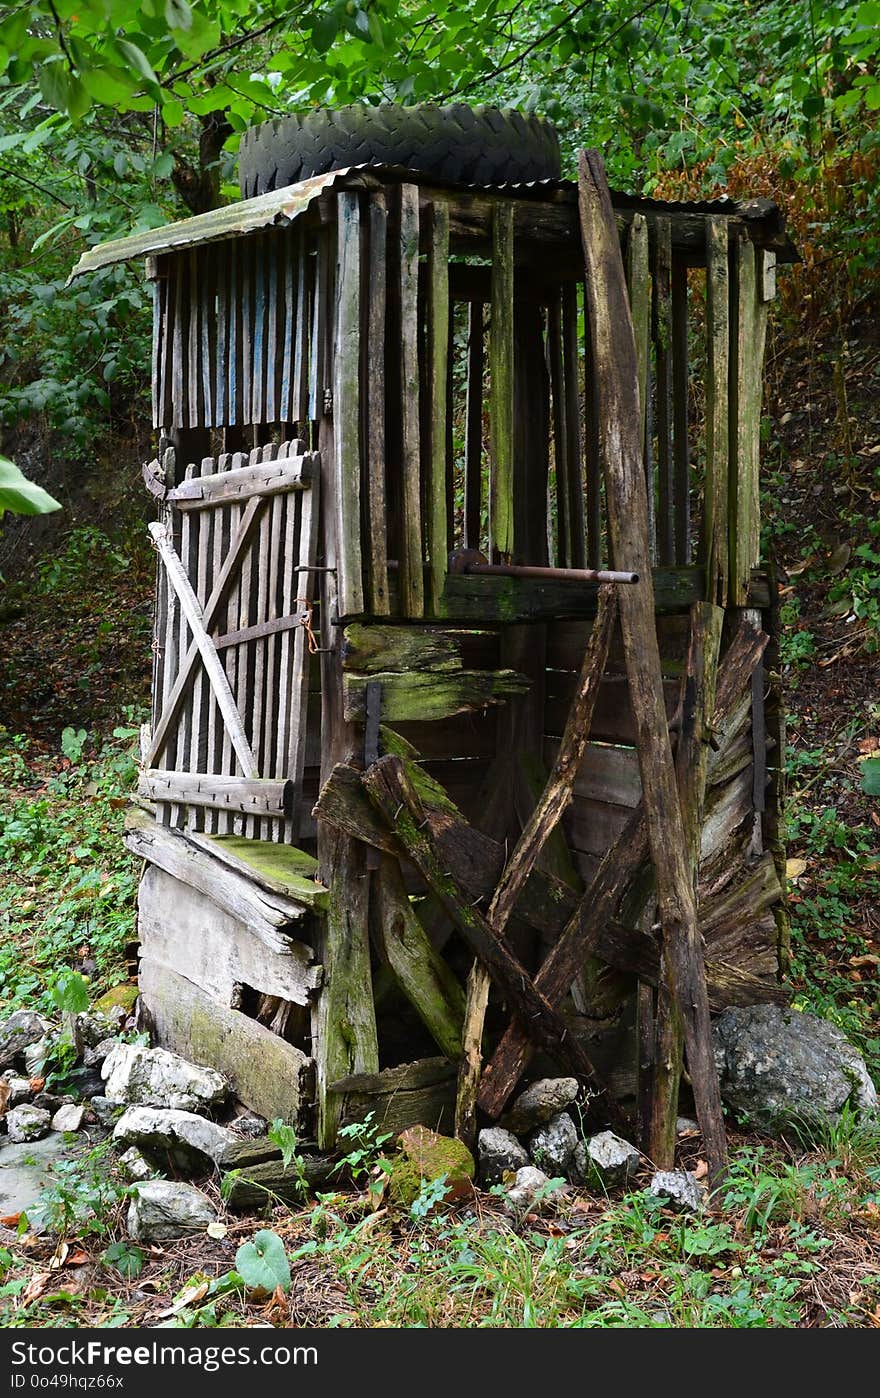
713	547
474	432
375	380
750	327
346	406
438	353
620	419
663	345
501	386
412	588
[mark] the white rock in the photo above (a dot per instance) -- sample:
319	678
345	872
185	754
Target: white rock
528	1182
27	1123
154	1077
606	1160
134	1166
36	1055
540	1101
162	1209
499	1153
94	1057
69	1117
19	1091
189	1138
684	1125
552	1146
680	1188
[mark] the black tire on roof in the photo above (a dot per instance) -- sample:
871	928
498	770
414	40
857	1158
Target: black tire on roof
470	145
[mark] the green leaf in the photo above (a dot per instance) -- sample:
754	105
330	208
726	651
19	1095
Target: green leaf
109	86
172	112
125	1258
70	990
324	30
20	495
137	60
871	776
54	81
178	14
263	1263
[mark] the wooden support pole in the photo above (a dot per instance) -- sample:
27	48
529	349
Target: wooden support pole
618	870
438	356
376	435
614	348
747	343
714	544
412	588
663	346
691	760
346	406
501	385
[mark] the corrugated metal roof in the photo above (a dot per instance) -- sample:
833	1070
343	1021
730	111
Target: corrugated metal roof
282	206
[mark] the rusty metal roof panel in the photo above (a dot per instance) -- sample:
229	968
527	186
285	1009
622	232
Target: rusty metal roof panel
282	206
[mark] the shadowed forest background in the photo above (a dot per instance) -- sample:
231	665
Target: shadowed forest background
116	117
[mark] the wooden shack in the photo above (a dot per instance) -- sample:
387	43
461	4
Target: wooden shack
377	418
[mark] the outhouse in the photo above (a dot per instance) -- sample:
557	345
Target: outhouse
380	516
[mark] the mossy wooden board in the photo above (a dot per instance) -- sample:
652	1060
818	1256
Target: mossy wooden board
282	867
418	695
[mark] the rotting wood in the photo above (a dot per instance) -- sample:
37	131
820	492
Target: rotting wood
662	330
474	427
419	970
691	761
438	358
412	596
614	349
373	648
618	869
250	796
714	541
750	323
271	1075
501	386
376	427
346	407
680	391
278	867
395	1098
574	473
265	479
249	1188
393	795
430	696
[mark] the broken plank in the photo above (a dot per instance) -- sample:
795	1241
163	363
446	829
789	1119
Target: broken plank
246	795
416	695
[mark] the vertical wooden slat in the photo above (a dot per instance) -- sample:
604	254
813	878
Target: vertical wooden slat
225	523
317	382
277	562
745	417
592	454
181	644
663	346
307	502
473	456
246	348
258	364
202	525
438	360
560	444
501	386
165	282
304	275
156	342
259	697
179	411
346	405
375	382
194	338
291	584
234	402
681	447
208	332
574	469
221	349
412	601
639	285
274	347
289	256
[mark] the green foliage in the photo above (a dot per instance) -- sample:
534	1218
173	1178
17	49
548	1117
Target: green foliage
69	992
125	1258
68	880
20	495
262	1263
83	1198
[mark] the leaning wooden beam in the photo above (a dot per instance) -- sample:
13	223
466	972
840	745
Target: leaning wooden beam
394	797
419	970
691	761
620	866
620	418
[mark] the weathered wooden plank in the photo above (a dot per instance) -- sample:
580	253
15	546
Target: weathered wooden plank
271	915
489	598
436	517
680	446
574	478
249	1187
473	469
714	540
265	478
627	515
411	582
430	696
270	1075
750	324
302	268
346	406
296	717
279	868
639	287
419	970
376	444
662	330
501	386
372	649
201	695
276	337
191	933
395	1098
562	536
592	450
248	795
